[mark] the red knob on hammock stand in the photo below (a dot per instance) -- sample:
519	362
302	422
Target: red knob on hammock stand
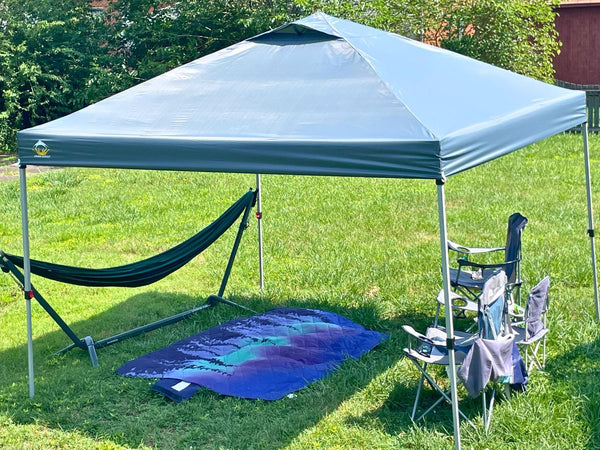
259	215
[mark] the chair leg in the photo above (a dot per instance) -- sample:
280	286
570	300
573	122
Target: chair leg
473	325
532	360
490	409
444	395
544	352
484	410
428	410
418	396
535	362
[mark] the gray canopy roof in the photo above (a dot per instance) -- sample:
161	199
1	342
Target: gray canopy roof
319	96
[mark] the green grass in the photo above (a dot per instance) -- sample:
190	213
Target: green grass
7	159
365	248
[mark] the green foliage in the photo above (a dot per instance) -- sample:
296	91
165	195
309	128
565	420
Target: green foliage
153	36
57	57
50	62
518	35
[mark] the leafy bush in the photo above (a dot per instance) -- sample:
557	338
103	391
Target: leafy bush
57	57
518	35
153	36
50	62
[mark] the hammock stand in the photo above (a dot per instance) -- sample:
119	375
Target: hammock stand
140	273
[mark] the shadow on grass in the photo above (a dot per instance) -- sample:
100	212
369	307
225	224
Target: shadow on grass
576	373
394	413
71	395
563	401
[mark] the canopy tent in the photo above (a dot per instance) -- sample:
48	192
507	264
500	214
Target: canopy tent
319	96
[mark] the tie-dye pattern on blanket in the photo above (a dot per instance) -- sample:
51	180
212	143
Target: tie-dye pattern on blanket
266	356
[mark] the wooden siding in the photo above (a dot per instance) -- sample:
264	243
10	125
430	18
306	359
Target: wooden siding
578	26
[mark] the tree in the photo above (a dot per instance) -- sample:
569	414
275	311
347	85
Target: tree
57	57
153	36
518	35
50	63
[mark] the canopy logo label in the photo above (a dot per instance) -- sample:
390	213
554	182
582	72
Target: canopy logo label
41	149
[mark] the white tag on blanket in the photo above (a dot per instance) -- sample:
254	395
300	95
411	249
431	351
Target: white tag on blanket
180	386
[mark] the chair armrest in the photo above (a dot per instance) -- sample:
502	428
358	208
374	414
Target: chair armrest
425	346
453	296
502	265
414	333
458	301
516	283
471	250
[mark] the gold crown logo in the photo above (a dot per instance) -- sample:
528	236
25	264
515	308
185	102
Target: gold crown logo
40	148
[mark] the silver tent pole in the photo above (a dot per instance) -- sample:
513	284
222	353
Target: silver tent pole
448	309
27	273
588	185
261	274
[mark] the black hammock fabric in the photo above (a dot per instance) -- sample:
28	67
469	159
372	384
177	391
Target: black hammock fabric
148	270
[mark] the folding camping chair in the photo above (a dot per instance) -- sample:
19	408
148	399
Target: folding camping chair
469	277
531	332
431	347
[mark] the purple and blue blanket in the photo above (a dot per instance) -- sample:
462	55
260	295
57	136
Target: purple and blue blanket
266	356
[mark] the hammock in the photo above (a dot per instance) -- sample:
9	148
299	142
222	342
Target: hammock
149	270
140	273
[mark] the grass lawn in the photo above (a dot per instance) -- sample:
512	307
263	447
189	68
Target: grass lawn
365	248
7	159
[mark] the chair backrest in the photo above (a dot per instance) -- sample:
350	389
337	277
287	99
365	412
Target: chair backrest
537	304
512	252
491	306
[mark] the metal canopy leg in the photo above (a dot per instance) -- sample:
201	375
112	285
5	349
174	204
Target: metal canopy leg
261	275
588	185
27	274
448	309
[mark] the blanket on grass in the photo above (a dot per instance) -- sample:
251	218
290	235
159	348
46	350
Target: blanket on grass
266	356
